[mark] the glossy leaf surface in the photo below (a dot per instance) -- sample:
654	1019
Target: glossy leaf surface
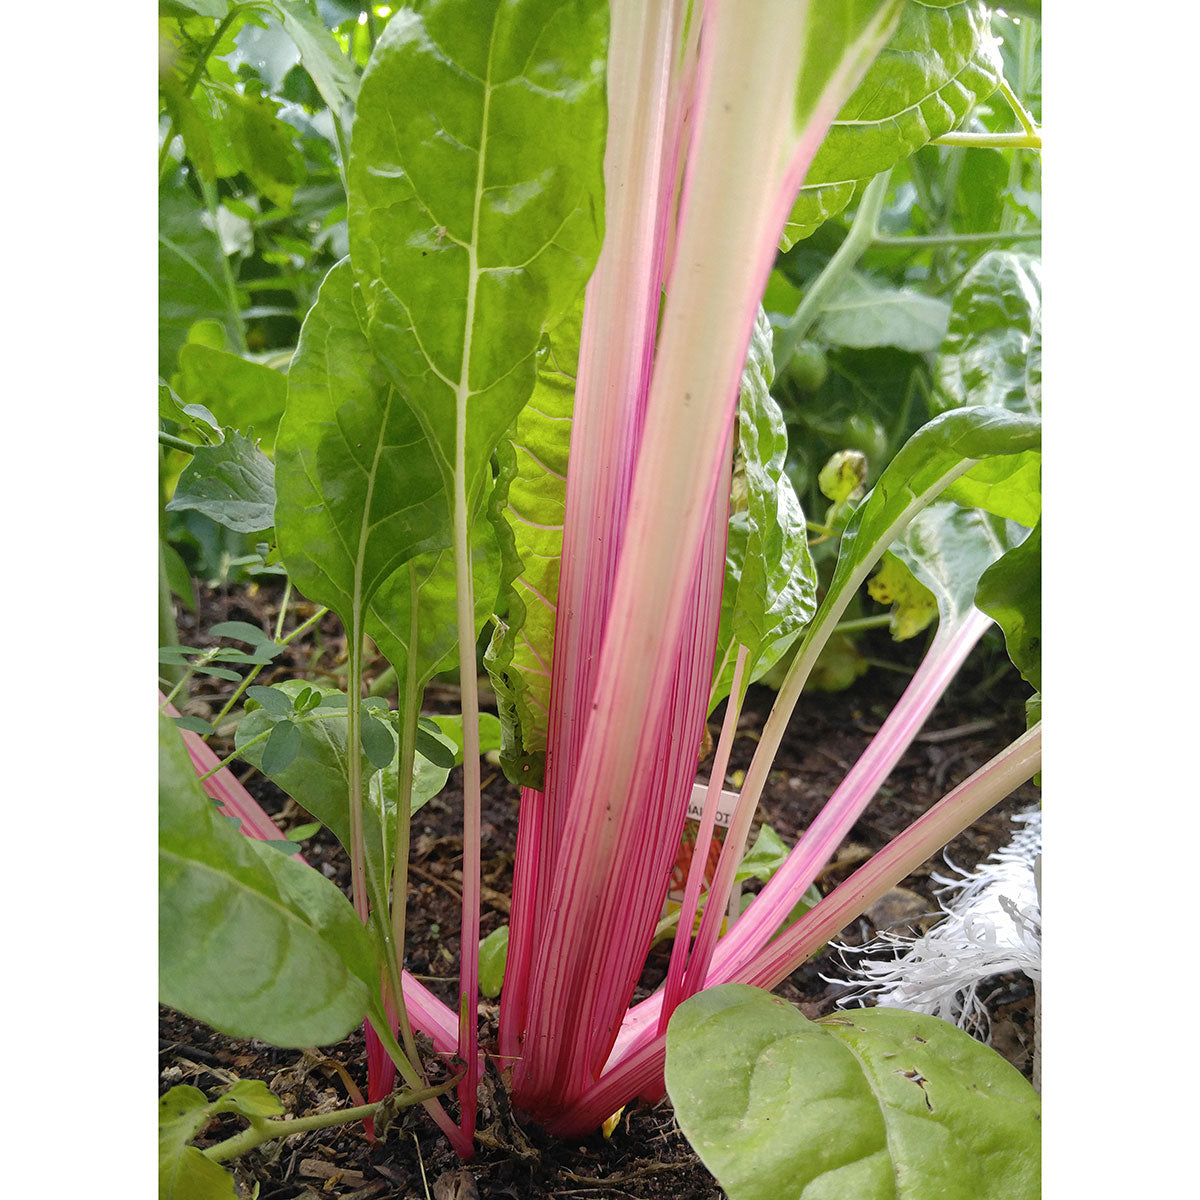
879	1104
475	221
251	942
941	60
993	349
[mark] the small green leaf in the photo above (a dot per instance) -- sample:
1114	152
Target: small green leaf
277	703
183	1172
233	484
878	1104
219	673
863	315
493	957
334	700
764	858
251	1098
913	605
241	394
434	749
241	631
302	698
281	749
378	743
303	832
195	724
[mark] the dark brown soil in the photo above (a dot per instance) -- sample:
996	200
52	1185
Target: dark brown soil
646	1157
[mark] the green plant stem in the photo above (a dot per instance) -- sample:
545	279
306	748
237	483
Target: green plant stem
357	847
1014	102
991	141
179	686
863	231
166	439
956	239
265	1129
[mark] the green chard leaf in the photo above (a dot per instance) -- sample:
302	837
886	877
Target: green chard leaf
233	484
1010	592
527	508
862	315
331	71
993	348
251	942
474	227
358	493
770	583
940	62
878	1104
493	958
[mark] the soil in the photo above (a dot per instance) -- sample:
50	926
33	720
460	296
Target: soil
646	1157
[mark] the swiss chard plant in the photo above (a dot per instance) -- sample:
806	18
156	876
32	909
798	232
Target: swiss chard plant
532	403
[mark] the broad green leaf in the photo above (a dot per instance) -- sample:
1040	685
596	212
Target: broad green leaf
193	283
940	452
993	349
861	314
493	957
358	493
388	619
233	484
1010	592
939	63
187	121
475	221
239	393
272	699
318	779
770	582
321	56
878	1104
254	944
281	749
1009	485
949	548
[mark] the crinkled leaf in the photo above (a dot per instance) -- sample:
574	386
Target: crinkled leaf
239	393
256	945
862	314
476	221
949	549
879	1104
527	508
233	484
940	62
770	582
1010	592
318	779
993	348
358	493
493	957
